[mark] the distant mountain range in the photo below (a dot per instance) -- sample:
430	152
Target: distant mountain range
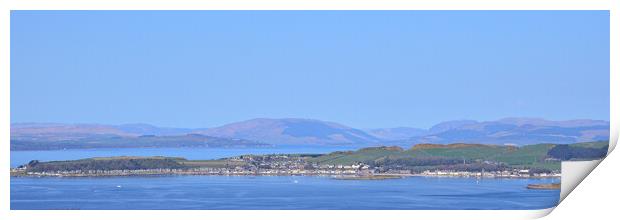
310	132
516	131
293	131
79	130
39	136
104	141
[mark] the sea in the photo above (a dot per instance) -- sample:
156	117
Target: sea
261	192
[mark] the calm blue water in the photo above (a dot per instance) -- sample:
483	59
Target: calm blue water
276	192
23	157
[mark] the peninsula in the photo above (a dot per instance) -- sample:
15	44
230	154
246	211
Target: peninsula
386	162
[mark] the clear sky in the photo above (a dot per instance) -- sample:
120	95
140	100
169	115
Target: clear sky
365	69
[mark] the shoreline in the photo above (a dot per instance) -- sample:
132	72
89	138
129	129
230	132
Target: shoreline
338	177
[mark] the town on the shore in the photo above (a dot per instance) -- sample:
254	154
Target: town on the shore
264	165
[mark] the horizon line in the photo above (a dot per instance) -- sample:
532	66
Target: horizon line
309	119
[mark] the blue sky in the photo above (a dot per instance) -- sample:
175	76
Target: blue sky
365	69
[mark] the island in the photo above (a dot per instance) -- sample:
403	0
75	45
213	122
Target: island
372	163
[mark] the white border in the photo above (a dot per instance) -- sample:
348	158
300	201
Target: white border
596	197
7	5
310	4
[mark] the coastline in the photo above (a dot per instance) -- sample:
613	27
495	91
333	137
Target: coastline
334	176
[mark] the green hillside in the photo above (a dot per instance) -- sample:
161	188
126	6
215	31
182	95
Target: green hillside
107	163
468	152
530	156
462	157
595	144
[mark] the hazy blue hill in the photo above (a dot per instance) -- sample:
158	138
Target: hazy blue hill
147	129
398	133
517	131
68	130
324	130
449	125
543	122
63	131
310	132
293	131
190	140
511	131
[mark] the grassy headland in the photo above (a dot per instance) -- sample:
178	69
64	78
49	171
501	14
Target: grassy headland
452	159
